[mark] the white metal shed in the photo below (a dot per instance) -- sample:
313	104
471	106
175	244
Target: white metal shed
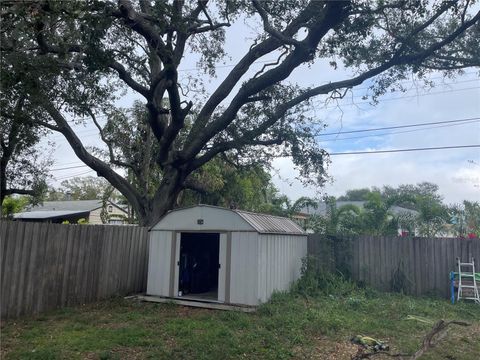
216	254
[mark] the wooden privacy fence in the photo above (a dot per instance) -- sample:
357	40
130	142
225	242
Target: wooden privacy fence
418	266
46	266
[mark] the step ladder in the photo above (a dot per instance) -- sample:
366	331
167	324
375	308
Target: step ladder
466	281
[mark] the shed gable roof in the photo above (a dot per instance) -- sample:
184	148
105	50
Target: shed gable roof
219	218
270	224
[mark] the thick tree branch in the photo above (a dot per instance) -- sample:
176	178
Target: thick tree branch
73	48
242	141
139	66
211	25
276	62
426	24
101	167
256	52
199	30
127	78
177	120
113	160
330	15
48	125
271	30
421	55
196	186
139	24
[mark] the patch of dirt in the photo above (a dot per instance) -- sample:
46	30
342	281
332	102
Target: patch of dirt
173	310
170	342
8	342
327	349
187	311
118	353
113	325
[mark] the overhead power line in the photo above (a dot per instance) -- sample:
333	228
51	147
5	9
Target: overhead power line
351	153
68	168
400	126
392	99
405	150
465	121
399	132
65	177
69	163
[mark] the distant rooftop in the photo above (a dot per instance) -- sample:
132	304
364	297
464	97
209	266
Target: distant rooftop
47	214
55	209
67	205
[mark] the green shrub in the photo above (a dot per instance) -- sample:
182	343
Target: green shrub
314	281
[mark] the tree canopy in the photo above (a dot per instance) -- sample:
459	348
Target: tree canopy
73	59
80	188
23	165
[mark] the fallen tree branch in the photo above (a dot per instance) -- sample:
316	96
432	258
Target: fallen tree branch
438	332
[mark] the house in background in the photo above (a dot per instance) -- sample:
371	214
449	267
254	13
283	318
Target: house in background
72	211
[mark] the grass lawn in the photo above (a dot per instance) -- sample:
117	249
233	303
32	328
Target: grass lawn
290	326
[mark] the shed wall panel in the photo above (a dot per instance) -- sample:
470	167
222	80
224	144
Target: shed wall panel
243	270
279	262
159	258
223	266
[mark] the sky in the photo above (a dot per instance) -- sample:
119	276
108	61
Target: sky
456	171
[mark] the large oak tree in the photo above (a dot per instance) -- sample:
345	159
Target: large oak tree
73	58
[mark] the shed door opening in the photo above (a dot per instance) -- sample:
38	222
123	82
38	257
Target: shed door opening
199	265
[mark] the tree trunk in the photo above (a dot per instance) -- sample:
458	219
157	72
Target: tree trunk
164	199
3	182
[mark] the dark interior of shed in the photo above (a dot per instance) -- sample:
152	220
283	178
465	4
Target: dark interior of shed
199	265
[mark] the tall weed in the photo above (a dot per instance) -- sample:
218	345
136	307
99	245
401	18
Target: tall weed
315	281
